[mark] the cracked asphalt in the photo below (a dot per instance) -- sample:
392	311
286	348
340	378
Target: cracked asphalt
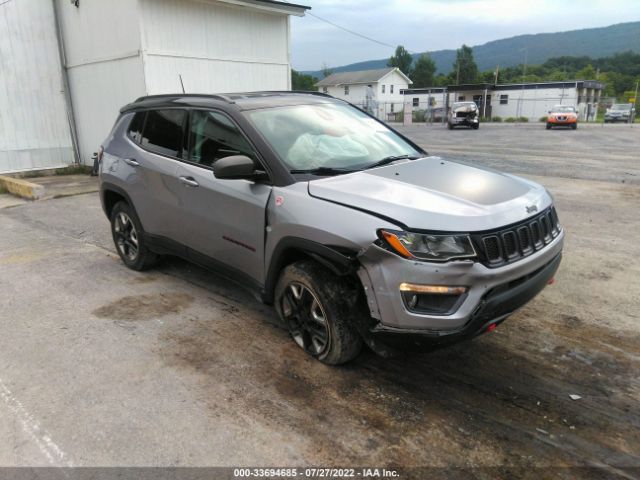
103	366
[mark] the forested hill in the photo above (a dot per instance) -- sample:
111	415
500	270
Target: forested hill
591	42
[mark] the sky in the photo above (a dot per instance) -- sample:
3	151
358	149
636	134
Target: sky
426	25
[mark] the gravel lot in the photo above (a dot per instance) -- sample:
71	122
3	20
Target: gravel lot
102	366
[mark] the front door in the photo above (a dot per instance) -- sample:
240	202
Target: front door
223	220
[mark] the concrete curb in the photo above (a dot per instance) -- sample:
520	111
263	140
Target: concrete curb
22	188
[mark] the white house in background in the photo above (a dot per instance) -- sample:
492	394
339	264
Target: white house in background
378	91
66	67
531	100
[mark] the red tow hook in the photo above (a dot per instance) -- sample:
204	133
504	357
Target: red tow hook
552	281
492	327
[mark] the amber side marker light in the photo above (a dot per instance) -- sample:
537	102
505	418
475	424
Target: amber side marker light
396	244
433	289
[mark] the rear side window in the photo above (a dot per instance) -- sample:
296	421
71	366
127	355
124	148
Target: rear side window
215	136
164	132
135	127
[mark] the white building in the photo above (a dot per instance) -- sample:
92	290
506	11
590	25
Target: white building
67	66
378	91
530	100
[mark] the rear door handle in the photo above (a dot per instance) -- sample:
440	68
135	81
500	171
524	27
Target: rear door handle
131	161
189	181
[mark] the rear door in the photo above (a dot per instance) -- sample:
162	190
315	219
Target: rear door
152	182
223	220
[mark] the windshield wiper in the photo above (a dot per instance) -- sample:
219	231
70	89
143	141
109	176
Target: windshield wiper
390	159
324	171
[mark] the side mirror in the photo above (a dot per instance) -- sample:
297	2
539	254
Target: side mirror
236	167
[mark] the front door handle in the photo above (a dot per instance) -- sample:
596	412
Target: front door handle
132	161
189	181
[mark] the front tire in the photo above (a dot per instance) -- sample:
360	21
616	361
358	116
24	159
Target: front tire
128	238
476	126
574	126
320	310
548	126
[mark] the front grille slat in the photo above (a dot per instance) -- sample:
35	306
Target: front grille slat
510	244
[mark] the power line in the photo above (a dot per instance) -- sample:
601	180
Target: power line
350	31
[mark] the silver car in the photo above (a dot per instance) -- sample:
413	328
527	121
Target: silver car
351	230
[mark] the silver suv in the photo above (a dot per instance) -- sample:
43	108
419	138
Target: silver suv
350	229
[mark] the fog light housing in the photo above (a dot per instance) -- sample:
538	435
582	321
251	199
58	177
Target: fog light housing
432	299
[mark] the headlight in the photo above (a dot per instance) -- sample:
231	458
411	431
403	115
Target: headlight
434	248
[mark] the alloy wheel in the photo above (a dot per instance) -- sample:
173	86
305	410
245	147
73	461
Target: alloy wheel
126	236
306	318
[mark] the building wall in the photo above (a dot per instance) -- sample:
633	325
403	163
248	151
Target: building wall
215	47
34	128
535	103
104	64
385	103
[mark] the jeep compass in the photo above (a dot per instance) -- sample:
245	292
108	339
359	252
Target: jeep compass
351	230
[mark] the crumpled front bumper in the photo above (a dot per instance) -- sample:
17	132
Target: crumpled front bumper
493	293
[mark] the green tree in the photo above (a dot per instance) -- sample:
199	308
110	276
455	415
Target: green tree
423	72
465	69
301	81
402	59
586	73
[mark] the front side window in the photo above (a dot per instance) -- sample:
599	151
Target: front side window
336	136
212	136
164	132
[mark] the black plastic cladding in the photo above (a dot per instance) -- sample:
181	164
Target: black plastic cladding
510	244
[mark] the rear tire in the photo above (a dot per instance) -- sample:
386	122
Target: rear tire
128	238
320	310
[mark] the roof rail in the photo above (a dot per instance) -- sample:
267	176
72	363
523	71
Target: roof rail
182	95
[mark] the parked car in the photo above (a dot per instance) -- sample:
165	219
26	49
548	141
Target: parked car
562	116
463	114
620	112
349	228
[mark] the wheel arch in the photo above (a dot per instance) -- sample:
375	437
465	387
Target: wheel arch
289	250
111	194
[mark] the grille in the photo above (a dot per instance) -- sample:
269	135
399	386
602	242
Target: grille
515	242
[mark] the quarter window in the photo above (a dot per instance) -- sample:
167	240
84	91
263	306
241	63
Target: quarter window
214	136
136	126
164	132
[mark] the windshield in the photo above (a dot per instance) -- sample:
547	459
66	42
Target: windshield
463	104
621	106
564	109
328	136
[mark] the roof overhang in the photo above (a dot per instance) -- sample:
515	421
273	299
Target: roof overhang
271	6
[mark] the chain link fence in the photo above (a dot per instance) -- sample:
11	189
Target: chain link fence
508	108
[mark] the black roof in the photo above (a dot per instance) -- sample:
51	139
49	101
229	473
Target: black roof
241	101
